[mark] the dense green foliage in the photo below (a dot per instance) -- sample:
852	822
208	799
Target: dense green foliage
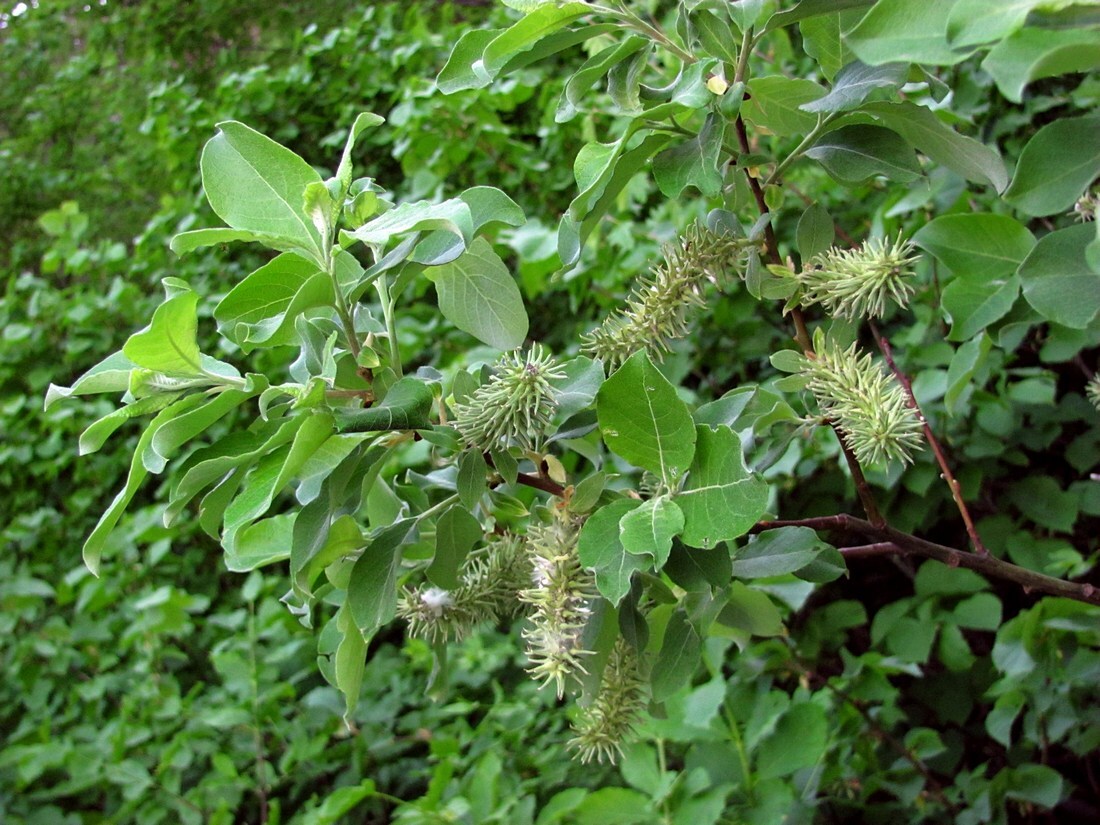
785	680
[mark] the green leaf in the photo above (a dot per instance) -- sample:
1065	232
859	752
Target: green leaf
681	650
813	8
934	138
596	67
799	741
341	801
488	206
456	532
721	499
452	216
372	586
1036	784
823	40
1057	165
600	549
273	472
747	14
349	660
1031	54
112	374
815	232
479	296
716	36
611	806
169	344
464	68
775	104
97	540
972	306
979	248
589	207
852	154
471	482
694	569
97	433
855	83
693	162
363	121
236	452
261	309
648	530
775	552
406	406
198	238
972	22
523	35
1042	500
751	611
337	539
964	363
185	427
896	30
982	611
828	566
643	420
255	184
264	542
1057	280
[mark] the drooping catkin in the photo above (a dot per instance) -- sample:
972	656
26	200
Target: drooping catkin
560	596
661	307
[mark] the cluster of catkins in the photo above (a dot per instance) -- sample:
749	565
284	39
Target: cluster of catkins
542	577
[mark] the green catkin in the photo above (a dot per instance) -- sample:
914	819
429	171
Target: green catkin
489	583
560	594
515	406
859	283
1092	390
661	307
605	725
869	407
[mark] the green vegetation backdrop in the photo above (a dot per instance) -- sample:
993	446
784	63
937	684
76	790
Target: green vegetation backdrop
789	681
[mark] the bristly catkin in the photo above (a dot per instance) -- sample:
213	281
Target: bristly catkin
660	308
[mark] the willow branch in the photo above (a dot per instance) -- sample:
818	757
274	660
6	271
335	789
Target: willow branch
801	333
904	544
930	437
539	482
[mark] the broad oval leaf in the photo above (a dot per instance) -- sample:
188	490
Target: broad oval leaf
855	83
978	248
261	309
643	420
255	184
721	499
648	530
1057	280
600	549
1057	165
852	154
896	30
921	127
479	296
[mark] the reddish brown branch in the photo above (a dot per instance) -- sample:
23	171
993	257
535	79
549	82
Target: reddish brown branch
539	482
802	334
904	544
930	437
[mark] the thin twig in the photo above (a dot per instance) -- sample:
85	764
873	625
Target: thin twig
802	335
547	485
910	545
869	551
930	437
